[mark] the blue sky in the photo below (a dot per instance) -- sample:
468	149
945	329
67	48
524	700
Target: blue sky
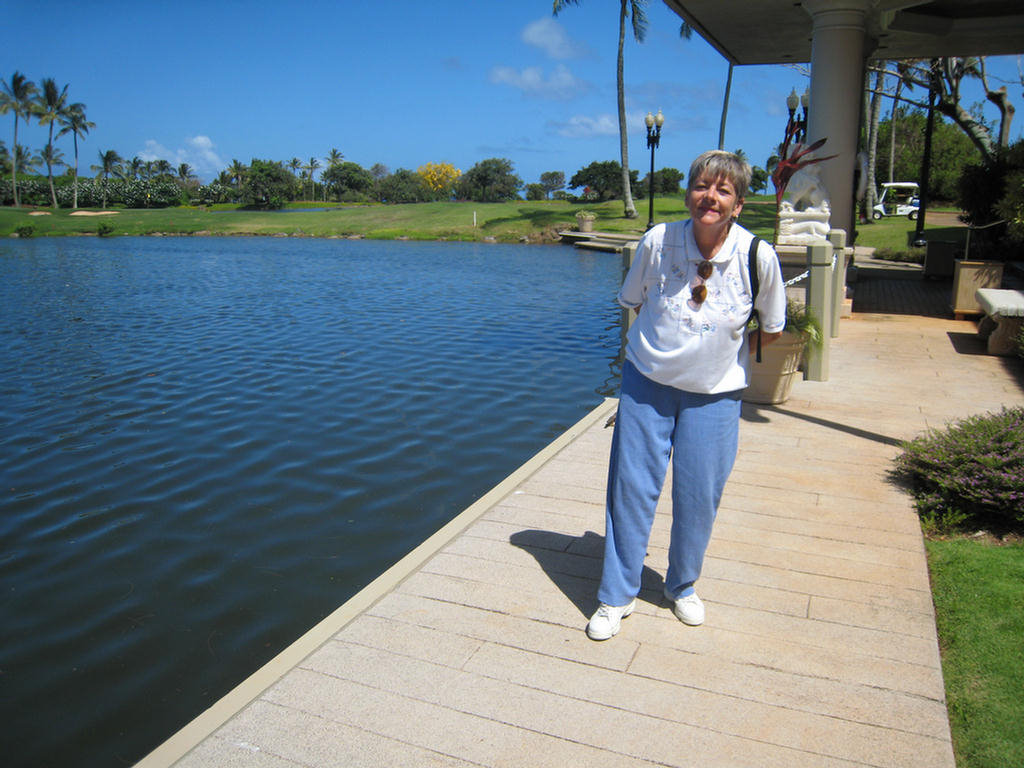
400	83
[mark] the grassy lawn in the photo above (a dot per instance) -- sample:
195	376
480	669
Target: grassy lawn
979	602
505	222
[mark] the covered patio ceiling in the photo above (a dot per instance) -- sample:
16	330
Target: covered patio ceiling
779	31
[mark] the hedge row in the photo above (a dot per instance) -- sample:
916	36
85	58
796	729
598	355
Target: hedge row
131	193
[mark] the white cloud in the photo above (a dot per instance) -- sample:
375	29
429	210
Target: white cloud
198	152
206	158
561	84
548	35
584	127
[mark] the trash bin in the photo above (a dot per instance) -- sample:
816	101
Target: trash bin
939	257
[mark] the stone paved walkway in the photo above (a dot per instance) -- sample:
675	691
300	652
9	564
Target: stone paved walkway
819	647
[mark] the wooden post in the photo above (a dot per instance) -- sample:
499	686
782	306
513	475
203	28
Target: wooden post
838	239
819	300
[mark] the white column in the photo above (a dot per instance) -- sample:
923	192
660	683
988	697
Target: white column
837	72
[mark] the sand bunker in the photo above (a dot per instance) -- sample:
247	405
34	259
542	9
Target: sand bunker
38	213
93	213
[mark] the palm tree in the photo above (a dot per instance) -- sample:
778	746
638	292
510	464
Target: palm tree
294	164
163	167
634	10
314	164
52	156
50	105
334	157
237	171
134	168
185	173
16	96
110	163
73	121
26	160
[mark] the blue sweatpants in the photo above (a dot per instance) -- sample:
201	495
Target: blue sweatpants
655	422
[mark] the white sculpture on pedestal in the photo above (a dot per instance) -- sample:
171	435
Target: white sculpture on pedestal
804	211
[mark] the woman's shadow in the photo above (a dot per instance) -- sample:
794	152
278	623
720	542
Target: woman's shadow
573	563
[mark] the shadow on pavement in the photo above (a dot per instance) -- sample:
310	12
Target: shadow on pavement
573	563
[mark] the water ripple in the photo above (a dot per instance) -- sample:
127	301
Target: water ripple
208	445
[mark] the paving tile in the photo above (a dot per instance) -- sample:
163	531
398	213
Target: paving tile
788	652
819	647
216	752
726	530
799	690
817	529
425	726
610	728
689	700
492	626
836	567
304	739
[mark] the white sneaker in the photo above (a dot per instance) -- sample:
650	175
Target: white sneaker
608	619
689	609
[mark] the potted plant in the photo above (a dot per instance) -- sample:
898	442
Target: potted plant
772	379
585	220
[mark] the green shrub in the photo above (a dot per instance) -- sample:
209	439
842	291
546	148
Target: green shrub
1011	204
105	229
25	230
990	193
970	474
906	256
802	322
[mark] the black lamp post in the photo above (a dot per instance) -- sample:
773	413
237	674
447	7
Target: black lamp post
926	164
797	124
653	124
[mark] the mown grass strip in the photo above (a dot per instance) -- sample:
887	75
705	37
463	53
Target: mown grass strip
978	590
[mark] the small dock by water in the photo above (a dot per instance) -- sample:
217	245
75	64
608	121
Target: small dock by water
612	242
819	648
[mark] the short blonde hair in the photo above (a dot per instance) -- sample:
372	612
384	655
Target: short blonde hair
718	164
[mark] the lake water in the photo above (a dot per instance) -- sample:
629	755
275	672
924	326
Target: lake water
207	445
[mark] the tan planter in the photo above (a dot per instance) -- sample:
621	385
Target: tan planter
585	223
772	379
968	277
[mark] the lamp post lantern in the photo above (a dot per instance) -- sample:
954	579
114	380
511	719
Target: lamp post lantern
653	123
797	124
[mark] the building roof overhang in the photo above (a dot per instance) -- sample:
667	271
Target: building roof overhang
779	31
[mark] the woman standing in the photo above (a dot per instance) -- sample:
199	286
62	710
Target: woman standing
687	363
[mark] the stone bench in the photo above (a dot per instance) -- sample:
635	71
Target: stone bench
1004	313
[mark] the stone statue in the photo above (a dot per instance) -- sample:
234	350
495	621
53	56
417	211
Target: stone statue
804	211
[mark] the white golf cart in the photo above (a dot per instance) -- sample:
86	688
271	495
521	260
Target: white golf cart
898	198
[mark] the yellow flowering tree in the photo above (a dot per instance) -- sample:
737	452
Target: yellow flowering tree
439	178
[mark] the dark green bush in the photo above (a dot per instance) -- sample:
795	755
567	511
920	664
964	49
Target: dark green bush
25	230
105	229
908	256
969	475
989	194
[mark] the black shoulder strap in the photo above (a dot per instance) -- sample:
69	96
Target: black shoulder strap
755	286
